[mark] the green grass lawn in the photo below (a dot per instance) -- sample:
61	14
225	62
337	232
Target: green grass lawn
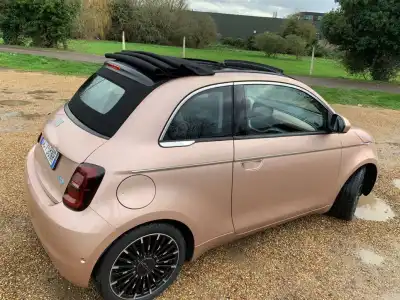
322	67
52	65
39	63
363	97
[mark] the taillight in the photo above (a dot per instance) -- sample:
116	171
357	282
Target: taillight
83	186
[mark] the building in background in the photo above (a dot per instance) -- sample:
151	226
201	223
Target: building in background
311	16
242	26
314	17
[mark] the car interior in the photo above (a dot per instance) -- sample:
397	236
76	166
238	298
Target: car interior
264	118
267	114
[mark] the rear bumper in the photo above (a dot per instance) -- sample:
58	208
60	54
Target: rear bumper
71	239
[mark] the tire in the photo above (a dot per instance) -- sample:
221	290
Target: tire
346	202
144	261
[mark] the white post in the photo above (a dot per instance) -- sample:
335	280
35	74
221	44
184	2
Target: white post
312	60
123	40
184	47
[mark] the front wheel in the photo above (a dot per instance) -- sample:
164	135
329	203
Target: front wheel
346	202
142	263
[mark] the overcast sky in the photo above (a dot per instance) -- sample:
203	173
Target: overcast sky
261	7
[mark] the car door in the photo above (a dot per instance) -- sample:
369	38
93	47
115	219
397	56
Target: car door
286	162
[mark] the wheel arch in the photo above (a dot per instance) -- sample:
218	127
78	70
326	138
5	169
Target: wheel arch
370	178
355	158
182	227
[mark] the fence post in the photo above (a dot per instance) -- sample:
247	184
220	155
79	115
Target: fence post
123	40
312	60
184	47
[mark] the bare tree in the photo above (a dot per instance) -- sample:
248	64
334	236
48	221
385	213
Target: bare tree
94	19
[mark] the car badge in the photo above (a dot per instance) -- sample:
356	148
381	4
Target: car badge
61	180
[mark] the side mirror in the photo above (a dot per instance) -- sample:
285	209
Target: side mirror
339	124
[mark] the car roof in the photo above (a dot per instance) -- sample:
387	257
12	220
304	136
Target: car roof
192	74
161	67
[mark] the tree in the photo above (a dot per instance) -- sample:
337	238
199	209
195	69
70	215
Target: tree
251	43
305	29
270	43
161	22
203	31
121	16
12	27
296	45
3	6
93	20
46	22
368	32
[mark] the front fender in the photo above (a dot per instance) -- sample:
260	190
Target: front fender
353	158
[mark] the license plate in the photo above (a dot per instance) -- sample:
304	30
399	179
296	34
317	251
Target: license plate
50	152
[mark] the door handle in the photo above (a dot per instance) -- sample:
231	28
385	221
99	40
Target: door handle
252	165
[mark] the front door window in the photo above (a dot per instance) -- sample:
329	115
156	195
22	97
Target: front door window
276	109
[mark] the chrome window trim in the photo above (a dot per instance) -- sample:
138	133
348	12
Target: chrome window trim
173	144
179	106
330	110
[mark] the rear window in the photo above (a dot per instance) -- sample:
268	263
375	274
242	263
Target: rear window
101	94
106	100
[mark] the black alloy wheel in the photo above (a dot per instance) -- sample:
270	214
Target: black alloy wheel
142	263
144	266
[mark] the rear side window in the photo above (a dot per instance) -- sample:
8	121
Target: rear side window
207	115
106	100
101	94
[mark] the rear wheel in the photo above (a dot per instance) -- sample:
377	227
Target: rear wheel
346	202
141	264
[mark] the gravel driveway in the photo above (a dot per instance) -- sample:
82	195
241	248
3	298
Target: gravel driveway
313	258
